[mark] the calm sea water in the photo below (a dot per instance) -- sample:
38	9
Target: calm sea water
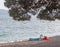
11	30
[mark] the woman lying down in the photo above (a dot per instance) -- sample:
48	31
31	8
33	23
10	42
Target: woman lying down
41	38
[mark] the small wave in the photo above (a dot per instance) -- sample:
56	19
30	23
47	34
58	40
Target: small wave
2	35
12	41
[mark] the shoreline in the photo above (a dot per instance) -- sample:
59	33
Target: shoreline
53	42
21	40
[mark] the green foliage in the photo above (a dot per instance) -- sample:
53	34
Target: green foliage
46	17
13	12
18	9
52	10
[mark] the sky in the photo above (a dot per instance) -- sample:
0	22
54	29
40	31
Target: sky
2	5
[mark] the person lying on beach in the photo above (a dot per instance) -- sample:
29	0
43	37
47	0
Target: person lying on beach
41	38
35	39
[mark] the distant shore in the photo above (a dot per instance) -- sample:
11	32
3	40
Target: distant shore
53	42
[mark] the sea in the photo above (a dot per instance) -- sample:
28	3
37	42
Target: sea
11	30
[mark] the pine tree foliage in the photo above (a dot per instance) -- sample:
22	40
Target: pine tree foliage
18	9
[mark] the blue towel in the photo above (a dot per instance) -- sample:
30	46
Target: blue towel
34	39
